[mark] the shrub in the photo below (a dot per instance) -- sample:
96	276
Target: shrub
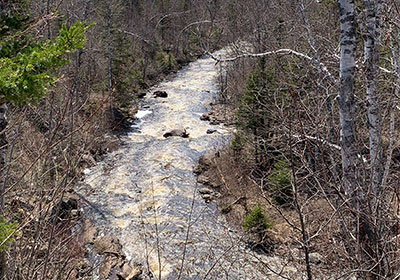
257	220
237	142
7	233
165	60
280	183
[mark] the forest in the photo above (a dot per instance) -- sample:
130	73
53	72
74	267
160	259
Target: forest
199	139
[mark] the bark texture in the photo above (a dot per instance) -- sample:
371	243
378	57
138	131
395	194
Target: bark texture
346	94
3	152
370	228
371	55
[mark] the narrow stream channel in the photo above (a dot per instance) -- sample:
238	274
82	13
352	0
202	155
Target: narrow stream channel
147	191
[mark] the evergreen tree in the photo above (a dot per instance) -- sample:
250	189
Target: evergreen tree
27	70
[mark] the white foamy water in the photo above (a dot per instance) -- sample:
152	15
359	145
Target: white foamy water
142	113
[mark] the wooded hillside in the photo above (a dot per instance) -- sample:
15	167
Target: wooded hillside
311	87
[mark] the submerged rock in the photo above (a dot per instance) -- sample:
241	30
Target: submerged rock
141	94
206	116
161	94
180	132
215	122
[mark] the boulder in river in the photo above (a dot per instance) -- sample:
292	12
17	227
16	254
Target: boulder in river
115	264
141	94
205	191
206	194
160	93
215	122
207	197
206	116
180	132
211	131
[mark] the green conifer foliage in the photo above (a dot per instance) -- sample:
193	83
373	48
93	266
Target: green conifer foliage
280	183
7	233
257	220
27	70
26	76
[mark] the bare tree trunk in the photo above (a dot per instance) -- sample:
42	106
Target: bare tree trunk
163	27
374	121
371	55
3	152
347	118
346	94
362	203
372	217
299	208
109	57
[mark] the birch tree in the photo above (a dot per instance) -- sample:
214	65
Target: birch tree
346	95
371	61
374	121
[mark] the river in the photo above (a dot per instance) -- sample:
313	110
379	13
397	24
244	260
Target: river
148	195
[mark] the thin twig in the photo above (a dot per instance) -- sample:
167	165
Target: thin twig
187	232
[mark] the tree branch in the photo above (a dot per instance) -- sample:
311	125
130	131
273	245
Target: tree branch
150	43
169	15
320	66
